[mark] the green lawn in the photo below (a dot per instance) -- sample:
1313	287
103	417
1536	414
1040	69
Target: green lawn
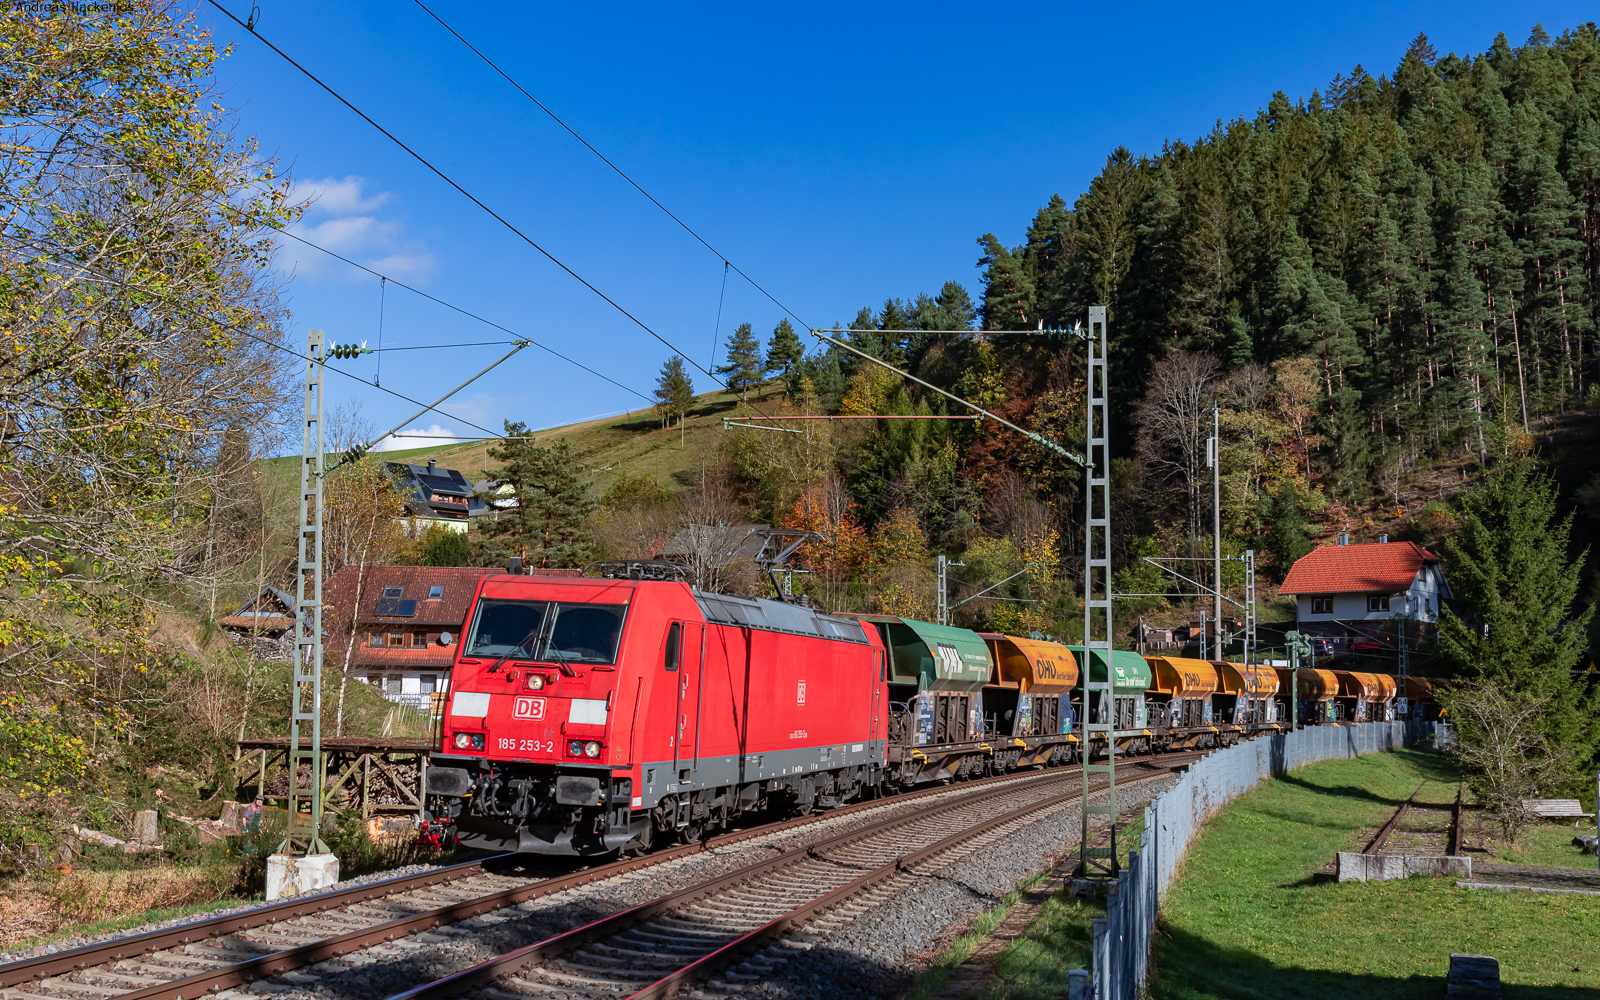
1251	916
1547	844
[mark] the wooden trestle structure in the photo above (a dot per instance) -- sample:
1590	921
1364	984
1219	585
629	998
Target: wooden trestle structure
367	775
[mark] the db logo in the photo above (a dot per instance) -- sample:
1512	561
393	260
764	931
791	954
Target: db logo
528	708
800	694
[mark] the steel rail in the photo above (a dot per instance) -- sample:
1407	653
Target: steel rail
671	984
456	985
1388	828
301	906
275	963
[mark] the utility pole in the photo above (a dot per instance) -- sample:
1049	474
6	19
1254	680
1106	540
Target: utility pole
942	598
1214	459
1298	646
303	861
1098	861
1402	669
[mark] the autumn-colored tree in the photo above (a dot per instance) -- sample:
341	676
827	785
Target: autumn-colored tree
141	318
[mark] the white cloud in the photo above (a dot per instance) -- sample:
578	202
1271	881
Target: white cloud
399	265
354	233
331	196
433	435
342	217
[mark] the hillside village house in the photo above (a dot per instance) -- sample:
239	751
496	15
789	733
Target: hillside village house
400	625
1346	590
436	496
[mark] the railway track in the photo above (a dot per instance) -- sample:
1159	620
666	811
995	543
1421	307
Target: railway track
745	924
209	956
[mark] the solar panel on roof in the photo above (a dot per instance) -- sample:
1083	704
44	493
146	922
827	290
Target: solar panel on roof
389	607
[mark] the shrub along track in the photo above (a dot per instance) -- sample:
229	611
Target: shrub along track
745	924
204	957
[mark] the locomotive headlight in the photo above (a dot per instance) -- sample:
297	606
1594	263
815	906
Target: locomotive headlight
469	741
534	682
575	748
591	749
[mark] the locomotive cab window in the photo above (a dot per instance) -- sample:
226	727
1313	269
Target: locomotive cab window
505	628
542	630
585	633
670	660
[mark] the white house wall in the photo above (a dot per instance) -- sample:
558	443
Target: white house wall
1421	602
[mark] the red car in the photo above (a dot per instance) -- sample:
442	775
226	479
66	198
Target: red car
1373	644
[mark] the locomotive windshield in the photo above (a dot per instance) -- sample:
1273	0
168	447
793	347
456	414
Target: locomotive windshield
547	630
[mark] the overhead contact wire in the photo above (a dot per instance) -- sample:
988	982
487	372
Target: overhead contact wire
620	173
465	193
466	313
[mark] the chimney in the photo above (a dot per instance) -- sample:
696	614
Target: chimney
430	466
1382	539
1344	539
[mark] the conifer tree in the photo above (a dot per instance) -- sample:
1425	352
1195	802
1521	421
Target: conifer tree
743	370
674	392
1508	563
545	527
784	350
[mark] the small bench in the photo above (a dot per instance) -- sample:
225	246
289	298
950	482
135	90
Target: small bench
1556	809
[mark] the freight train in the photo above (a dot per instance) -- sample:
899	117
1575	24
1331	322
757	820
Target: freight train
589	716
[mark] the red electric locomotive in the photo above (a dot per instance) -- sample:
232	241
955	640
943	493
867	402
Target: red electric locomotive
587	716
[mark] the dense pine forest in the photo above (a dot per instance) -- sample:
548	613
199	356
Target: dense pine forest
1380	285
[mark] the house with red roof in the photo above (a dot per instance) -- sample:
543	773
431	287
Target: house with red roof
407	621
1346	589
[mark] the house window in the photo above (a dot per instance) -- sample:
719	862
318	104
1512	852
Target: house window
1378	602
395	639
435	592
375	639
376	680
1322	605
429	683
393	591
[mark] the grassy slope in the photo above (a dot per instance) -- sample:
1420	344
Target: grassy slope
634	442
1250	916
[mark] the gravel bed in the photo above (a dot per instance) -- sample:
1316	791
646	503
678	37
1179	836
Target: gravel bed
883	950
376	973
69	944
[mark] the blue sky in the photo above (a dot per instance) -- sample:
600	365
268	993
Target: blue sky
839	154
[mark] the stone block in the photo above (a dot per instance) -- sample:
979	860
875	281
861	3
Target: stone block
1370	867
1473	977
1416	864
291	876
146	827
